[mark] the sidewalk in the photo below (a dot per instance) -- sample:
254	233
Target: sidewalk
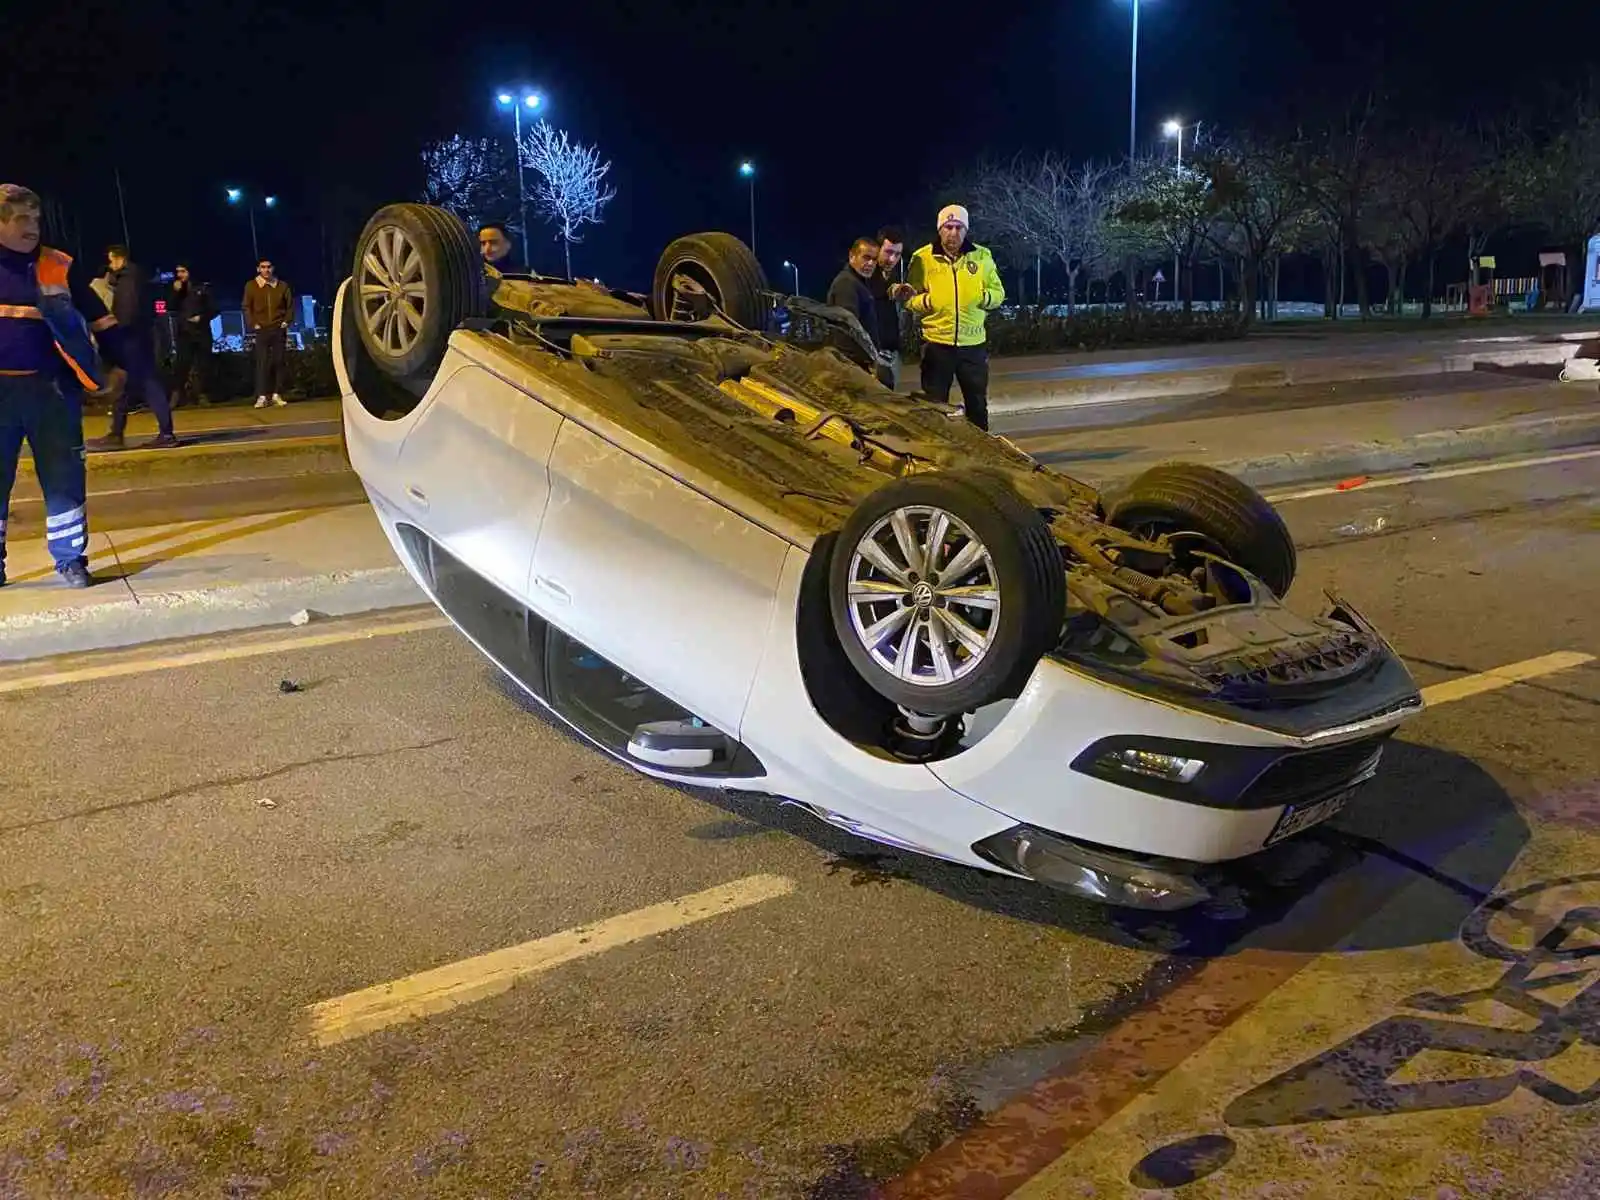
1271	447
221	442
200	577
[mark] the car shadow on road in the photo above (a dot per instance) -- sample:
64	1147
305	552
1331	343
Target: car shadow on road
1425	805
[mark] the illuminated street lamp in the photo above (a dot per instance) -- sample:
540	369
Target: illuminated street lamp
1174	129
531	101
1133	90
791	266
748	170
237	196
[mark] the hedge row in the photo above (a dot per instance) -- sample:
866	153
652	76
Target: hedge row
1040	331
233	374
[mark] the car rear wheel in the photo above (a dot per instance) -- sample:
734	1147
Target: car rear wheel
725	274
946	589
417	276
1224	515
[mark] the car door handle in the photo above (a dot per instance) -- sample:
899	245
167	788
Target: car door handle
417	494
551	587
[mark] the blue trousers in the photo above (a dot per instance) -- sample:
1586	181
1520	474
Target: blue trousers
34	408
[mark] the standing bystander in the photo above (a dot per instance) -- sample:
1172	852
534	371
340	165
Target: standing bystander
268	306
886	332
136	346
190	307
47	359
953	286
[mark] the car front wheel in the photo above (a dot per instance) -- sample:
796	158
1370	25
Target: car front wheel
946	589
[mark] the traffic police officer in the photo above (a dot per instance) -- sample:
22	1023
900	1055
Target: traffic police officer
47	361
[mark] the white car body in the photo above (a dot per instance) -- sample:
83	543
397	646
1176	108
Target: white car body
694	589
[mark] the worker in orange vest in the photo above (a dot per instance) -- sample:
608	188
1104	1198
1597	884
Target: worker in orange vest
48	359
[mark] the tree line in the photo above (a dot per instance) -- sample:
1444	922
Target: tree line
1361	188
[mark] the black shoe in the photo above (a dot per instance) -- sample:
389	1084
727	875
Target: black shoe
99	445
76	576
164	441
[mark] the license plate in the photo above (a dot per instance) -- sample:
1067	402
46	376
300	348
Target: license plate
1298	817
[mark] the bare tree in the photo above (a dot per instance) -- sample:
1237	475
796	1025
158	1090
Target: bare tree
1260	198
1059	210
571	192
469	177
1337	163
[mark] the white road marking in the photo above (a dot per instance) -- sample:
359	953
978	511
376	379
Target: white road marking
1501	677
194	658
1388	481
447	987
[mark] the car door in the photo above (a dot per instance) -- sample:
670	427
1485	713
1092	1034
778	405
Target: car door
473	471
668	584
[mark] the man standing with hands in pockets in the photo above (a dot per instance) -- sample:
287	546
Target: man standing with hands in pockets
268	306
953	285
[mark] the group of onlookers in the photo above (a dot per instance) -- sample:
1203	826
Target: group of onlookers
950	286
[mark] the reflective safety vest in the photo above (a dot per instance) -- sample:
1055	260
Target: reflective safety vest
39	326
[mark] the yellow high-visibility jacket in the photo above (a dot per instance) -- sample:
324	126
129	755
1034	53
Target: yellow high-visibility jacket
954	296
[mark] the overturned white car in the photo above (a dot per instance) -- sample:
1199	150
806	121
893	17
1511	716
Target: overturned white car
736	562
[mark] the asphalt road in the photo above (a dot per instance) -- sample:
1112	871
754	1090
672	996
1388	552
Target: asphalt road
193	856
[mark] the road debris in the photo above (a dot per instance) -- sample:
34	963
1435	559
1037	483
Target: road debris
266	802
288	686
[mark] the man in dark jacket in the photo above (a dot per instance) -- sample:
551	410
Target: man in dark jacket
886	332
851	290
190	307
132	308
268	308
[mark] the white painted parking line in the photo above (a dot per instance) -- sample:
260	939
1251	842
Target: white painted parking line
1426	476
472	979
1503	677
194	658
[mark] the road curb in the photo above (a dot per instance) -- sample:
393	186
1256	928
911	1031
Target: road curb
161	616
1437	447
1028	397
208	463
1433	448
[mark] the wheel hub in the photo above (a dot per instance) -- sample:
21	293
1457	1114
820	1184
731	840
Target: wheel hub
924	596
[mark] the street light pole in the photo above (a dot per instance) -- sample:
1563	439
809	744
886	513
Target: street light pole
1133	90
796	269
530	100
748	170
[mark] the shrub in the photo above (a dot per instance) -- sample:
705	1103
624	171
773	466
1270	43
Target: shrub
309	371
1044	331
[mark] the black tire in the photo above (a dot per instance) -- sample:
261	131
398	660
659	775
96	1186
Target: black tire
724	266
453	289
1239	522
1024	567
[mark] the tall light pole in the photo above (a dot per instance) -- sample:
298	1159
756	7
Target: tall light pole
791	266
530	101
1174	129
1133	90
748	170
237	196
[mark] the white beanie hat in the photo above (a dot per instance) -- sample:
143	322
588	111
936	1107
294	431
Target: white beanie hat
954	212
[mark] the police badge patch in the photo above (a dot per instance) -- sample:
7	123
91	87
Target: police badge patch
972	268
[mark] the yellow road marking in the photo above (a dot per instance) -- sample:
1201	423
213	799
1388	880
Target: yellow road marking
196	658
1500	677
183	543
181	530
472	979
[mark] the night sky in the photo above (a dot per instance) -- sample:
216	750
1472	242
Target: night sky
854	110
